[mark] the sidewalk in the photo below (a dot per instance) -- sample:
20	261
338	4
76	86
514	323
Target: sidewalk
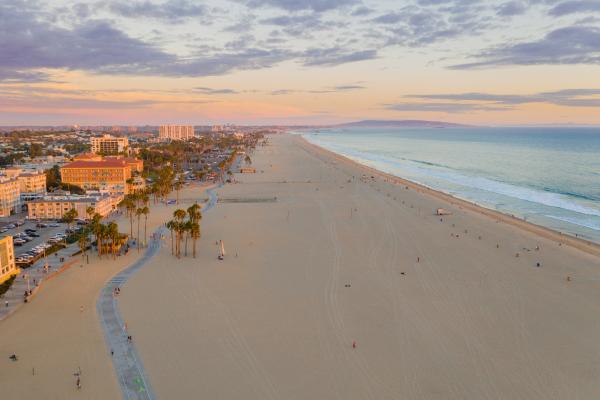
15	295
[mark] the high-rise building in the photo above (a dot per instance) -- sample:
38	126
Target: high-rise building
7	259
176	132
108	144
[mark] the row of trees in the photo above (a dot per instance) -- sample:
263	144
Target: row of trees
107	236
135	205
184	225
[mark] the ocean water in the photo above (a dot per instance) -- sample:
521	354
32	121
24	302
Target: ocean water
549	176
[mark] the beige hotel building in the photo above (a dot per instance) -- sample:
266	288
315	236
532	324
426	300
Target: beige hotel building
106	175
8	267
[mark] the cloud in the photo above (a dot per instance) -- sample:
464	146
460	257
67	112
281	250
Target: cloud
335	56
464	102
8	75
300	5
331	89
512	8
28	43
361	11
573	7
344	88
170	10
440	107
570	45
210	91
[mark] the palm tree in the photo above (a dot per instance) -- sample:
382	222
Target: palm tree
179	216
248	160
129	205
138	213
187	227
70	216
129	183
195	234
145	212
100	235
90	211
83	242
194	212
171	228
112	232
178	184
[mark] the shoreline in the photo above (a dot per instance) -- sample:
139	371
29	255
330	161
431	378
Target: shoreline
584	245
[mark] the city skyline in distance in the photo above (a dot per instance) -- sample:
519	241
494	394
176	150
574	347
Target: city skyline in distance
316	62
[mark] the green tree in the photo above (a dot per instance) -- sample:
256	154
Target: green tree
70	216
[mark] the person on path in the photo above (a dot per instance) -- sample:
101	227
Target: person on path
354	344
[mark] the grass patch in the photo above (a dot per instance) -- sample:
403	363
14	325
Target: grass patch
7	284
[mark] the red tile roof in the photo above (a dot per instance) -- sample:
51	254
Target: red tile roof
96	164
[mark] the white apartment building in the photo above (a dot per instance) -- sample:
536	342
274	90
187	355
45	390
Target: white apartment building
176	132
108	144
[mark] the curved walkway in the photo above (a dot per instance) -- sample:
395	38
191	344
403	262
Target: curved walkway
128	366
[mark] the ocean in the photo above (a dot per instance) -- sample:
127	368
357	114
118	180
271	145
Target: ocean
549	176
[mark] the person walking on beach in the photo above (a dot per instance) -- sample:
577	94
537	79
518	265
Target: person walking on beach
354	344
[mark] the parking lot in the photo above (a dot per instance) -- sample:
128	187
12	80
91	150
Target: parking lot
45	233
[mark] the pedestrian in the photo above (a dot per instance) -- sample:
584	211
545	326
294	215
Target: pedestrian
354	344
6	303
418	259
80	308
78	383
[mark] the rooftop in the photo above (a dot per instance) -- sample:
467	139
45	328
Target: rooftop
113	163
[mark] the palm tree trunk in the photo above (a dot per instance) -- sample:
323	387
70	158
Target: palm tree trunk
138	235
194	247
172	248
145	224
131	225
186	240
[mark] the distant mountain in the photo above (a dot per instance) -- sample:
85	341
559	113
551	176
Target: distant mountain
400	124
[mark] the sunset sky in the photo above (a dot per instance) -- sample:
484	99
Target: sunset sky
299	61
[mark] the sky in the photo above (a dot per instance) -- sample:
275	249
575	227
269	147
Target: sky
203	62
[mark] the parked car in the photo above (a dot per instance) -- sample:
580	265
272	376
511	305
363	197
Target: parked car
11	226
41	225
19	242
3	230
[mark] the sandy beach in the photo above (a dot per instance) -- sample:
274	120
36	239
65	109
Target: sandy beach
437	309
54	339
334	286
